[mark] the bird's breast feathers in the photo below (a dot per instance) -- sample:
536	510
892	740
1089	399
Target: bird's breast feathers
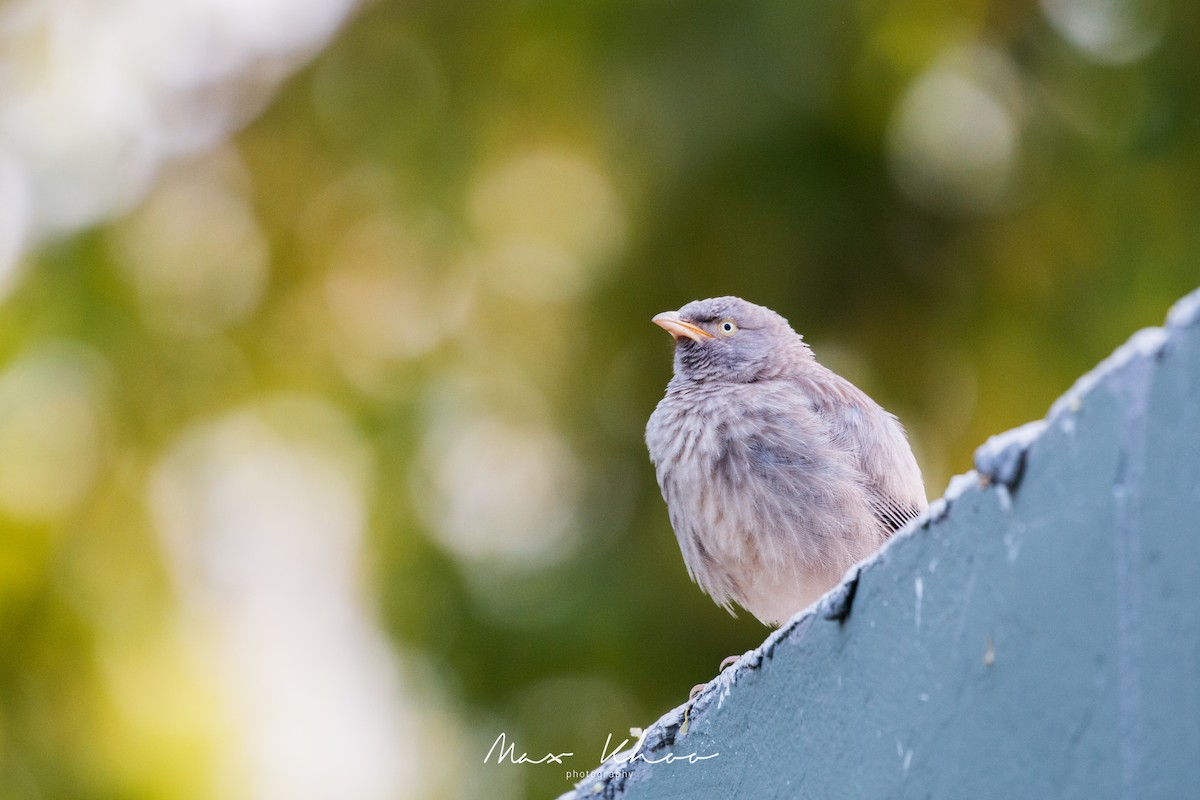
753	482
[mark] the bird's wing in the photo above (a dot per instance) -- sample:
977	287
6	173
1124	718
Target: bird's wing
892	515
890	473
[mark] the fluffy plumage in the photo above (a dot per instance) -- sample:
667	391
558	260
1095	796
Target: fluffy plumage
778	474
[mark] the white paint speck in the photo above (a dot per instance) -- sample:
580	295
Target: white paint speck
1013	546
1004	496
933	566
919	585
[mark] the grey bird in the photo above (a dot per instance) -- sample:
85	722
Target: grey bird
778	473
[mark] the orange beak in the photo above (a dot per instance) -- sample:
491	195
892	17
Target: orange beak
670	322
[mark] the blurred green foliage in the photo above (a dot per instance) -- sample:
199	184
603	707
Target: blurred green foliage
464	216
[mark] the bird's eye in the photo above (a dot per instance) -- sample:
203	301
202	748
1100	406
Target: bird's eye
729	327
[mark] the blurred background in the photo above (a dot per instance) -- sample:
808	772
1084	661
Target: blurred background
325	350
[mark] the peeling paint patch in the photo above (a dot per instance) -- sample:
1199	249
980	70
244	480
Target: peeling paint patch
836	605
1001	459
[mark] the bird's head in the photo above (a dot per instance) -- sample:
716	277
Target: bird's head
730	340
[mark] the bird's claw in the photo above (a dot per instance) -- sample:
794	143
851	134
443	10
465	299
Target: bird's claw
726	663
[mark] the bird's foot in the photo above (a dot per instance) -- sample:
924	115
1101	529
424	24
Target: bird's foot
696	690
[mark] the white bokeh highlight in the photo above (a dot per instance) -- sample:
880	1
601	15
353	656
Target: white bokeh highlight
498	493
954	138
1109	31
262	515
194	251
99	96
14	220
